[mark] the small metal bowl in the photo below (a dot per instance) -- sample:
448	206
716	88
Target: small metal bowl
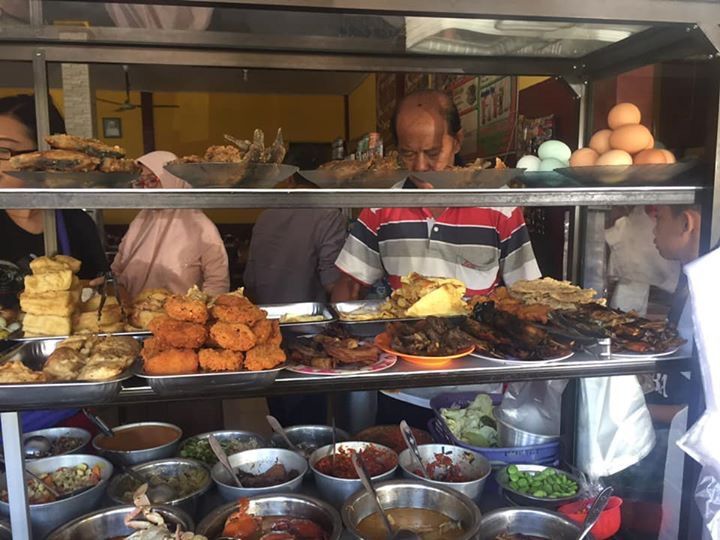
337	490
47	516
54	433
122	483
309	438
523	499
410	494
471	464
257	462
511	437
289	506
241	436
135	457
529	521
110	523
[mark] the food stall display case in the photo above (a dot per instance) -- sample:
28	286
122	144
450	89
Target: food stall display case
580	41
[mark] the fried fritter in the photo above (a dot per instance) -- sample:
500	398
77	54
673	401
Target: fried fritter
220	360
102	369
275	335
64	363
152	346
172	362
114	165
113	346
263	330
178	334
237	311
91	147
235	337
15	371
54	160
264	356
182	308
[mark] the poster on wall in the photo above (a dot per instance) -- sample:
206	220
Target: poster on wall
387	94
464	91
497	112
415	82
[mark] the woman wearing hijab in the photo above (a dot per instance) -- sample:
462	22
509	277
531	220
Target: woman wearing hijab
171	249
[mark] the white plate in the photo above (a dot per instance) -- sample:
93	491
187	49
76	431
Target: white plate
516	362
385	361
640	356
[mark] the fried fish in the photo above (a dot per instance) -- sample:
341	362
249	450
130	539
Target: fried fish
91	147
54	160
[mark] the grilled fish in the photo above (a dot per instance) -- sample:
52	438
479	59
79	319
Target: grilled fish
91	147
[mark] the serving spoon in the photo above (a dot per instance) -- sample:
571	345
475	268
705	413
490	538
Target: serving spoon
411	443
277	428
223	459
36	447
595	510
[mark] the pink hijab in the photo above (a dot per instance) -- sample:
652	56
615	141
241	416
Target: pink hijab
171	249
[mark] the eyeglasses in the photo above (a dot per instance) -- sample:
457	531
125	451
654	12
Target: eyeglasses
7	153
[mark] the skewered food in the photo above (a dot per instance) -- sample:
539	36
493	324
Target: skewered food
242	525
335	345
433	336
91	147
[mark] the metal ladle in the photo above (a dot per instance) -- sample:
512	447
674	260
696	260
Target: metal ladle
402	534
223	459
36	447
413	446
277	428
595	510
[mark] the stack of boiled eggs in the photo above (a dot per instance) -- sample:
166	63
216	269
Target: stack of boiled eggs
627	142
551	155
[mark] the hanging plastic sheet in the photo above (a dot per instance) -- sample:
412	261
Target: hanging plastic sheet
703	439
534	406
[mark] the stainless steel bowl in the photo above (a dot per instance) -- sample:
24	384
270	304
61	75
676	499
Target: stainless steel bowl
511	437
54	433
241	436
257	462
46	517
411	494
523	499
110	522
337	490
122	483
471	464
291	506
309	437
135	457
530	521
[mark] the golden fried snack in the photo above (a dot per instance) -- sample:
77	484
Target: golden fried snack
43	265
64	364
275	335
93	303
235	337
76	343
155	295
60	303
102	369
244	312
172	362
61	280
179	334
114	346
182	308
47	325
152	346
264	357
15	371
220	360
263	330
88	321
141	318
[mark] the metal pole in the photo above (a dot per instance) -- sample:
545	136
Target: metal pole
35	13
15	475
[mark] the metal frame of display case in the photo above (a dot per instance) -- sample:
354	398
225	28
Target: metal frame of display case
678	29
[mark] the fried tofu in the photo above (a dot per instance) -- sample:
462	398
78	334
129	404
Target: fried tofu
93	303
60	303
62	280
47	325
56	263
88	321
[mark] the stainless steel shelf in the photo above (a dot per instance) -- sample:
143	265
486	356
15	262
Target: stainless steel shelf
343	198
468	370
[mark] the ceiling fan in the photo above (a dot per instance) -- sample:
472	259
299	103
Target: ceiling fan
127	105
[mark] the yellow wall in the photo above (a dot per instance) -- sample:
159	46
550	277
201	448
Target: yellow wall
526	82
363	109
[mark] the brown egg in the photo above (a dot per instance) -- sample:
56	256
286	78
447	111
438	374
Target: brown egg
583	157
623	114
614	157
669	156
651	144
631	138
648	157
600	142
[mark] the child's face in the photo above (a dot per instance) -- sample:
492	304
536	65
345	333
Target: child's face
672	234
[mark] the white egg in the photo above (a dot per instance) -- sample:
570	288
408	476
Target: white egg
529	163
554	150
551	164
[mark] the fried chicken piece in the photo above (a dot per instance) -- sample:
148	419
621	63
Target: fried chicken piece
275	335
172	362
243	312
220	360
178	334
54	160
64	364
262	329
115	165
264	356
91	147
223	154
152	346
182	308
233	336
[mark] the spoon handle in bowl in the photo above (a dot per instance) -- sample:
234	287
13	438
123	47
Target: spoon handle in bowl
367	484
277	428
412	445
595	510
223	459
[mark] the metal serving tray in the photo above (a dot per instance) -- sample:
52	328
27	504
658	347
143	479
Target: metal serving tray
370	327
192	383
71	393
226	175
362	180
19	336
469	178
85	180
276	311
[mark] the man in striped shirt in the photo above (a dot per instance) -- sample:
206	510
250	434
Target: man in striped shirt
482	247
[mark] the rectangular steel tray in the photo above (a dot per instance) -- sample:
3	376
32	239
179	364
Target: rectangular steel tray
178	385
276	311
20	337
51	394
370	327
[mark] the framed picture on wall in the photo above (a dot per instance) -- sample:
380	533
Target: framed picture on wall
112	128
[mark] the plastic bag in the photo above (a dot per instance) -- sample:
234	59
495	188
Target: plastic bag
700	442
615	430
534	406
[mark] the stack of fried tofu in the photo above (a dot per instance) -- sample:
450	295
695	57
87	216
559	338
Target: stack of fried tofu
86	320
51	296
